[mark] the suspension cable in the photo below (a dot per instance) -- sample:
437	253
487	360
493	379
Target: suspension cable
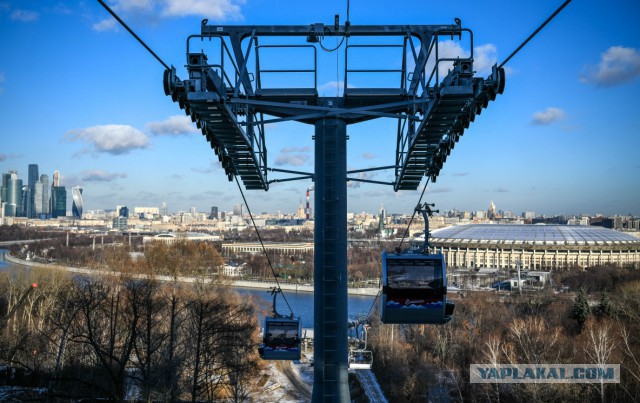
262	244
535	32
132	33
414	214
373	304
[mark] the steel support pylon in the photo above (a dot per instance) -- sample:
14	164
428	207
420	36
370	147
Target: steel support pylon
330	382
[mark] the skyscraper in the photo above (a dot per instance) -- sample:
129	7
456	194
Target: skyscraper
30	201
38	190
214	213
44	201
237	209
58	201
76	208
5	186
14	196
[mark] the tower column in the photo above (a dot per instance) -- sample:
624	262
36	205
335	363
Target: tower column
330	382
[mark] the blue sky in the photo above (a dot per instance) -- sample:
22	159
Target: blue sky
78	94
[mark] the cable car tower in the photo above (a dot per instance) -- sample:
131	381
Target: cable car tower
227	96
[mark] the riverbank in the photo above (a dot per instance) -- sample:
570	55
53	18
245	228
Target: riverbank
365	291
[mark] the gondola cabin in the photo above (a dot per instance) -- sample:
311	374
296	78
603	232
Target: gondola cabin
281	339
414	289
360	359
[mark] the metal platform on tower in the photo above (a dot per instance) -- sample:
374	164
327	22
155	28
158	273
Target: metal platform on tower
232	94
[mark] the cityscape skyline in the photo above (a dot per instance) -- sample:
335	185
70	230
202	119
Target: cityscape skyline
562	139
52	201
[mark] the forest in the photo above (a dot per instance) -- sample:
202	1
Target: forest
126	335
597	324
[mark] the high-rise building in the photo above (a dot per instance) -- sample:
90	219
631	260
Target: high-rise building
58	201
76	208
214	213
38	190
56	178
30	201
123	211
5	186
120	223
164	212
26	209
44	201
491	212
14	196
237	209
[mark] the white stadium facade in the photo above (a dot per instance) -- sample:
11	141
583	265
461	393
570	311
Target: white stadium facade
535	247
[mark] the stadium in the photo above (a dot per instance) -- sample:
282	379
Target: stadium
535	247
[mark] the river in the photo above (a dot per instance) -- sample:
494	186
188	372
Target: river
301	302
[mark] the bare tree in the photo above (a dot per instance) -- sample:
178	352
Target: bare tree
601	345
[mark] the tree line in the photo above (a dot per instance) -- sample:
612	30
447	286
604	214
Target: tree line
585	327
128	335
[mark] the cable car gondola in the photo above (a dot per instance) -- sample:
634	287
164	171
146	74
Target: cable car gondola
360	359
281	339
414	285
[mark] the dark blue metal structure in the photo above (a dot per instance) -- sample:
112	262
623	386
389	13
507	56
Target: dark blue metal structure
227	96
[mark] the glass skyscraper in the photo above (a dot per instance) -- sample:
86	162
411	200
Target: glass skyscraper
30	194
76	208
44	201
58	201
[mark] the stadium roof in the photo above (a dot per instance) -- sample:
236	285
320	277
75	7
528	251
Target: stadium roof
569	234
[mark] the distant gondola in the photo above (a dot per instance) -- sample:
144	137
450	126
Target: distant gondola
360	359
281	339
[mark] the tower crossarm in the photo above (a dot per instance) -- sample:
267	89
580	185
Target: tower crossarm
423	148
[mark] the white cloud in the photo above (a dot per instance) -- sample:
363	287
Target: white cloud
446	49
548	116
304	149
295	160
24	15
111	139
618	65
361	175
219	10
134	5
215	9
484	57
173	126
107	24
293	156
368	155
99	175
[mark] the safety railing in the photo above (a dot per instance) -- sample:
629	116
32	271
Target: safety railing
260	71
401	71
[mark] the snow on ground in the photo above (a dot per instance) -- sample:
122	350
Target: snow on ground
279	387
